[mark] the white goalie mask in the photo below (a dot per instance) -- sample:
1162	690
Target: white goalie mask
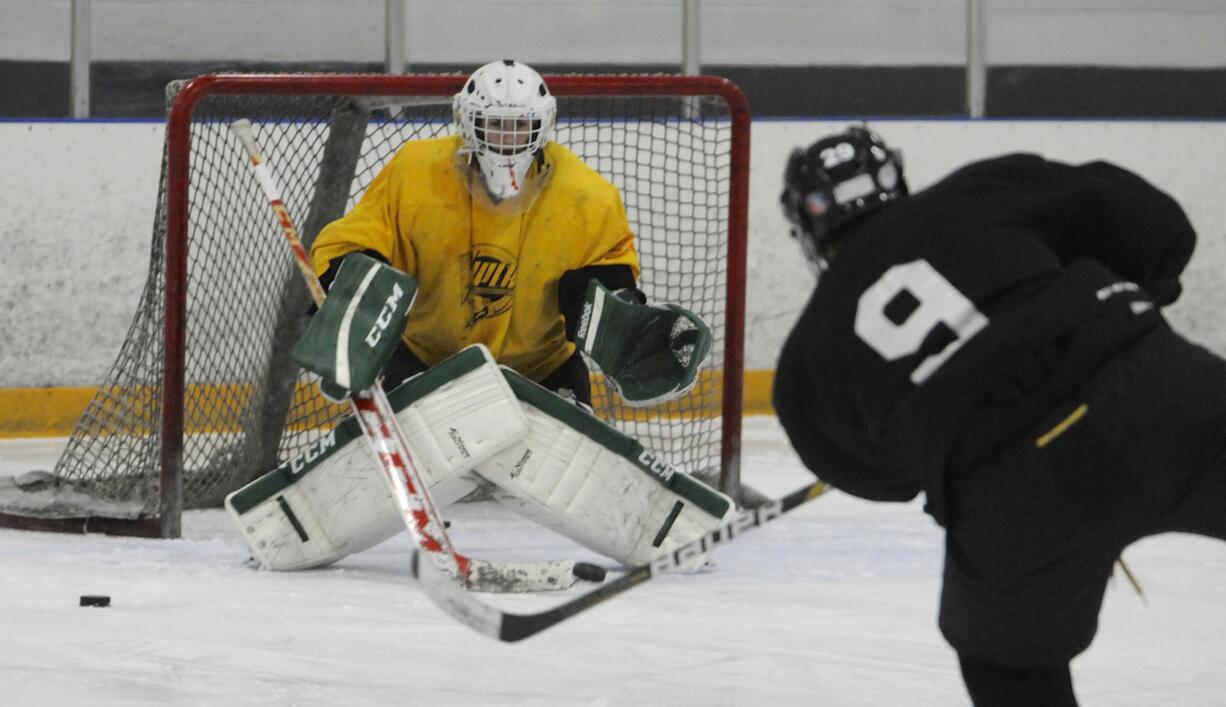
505	115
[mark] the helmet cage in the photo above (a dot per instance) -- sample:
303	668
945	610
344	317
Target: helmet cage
505	115
502	133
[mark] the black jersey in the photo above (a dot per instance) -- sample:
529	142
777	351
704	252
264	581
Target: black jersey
951	320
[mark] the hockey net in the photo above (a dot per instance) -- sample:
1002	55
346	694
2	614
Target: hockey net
203	396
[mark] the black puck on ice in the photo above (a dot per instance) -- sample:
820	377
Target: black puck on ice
95	600
589	572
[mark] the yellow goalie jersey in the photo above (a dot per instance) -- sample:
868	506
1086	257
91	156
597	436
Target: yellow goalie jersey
484	275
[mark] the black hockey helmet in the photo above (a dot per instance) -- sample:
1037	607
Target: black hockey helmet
833	181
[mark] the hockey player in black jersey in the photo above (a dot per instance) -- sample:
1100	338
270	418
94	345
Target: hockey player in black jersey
996	342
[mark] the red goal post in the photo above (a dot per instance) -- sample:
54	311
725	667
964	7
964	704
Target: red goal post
202	398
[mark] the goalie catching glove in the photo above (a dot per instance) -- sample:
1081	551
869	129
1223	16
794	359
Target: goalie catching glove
351	338
649	354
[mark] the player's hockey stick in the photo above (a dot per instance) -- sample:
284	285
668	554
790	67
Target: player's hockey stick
506	626
393	455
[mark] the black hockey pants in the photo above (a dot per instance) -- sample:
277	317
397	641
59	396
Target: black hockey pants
1034	530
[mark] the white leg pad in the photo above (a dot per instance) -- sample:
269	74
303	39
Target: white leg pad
581	478
333	500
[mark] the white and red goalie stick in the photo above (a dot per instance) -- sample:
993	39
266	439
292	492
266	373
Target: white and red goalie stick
392	453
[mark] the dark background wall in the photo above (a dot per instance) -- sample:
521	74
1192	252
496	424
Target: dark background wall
1072	58
135	89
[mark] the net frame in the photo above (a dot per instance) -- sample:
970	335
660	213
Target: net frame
165	521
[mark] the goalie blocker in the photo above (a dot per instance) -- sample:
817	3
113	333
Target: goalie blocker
550	461
351	338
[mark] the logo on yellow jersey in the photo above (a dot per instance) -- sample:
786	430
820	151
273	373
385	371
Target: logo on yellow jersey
491	286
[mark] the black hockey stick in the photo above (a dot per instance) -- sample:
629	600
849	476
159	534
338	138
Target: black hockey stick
452	598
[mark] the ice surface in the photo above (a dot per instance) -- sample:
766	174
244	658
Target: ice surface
833	605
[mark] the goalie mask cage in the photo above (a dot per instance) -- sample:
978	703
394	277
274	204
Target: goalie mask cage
204	397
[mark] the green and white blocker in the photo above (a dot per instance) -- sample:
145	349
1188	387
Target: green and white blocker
351	338
649	354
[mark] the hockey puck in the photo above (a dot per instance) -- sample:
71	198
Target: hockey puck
95	600
589	572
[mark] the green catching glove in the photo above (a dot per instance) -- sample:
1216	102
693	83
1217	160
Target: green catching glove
649	354
351	338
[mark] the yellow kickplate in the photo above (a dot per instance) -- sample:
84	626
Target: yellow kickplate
53	412
41	412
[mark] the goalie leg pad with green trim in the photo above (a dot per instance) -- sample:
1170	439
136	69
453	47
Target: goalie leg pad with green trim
332	500
585	480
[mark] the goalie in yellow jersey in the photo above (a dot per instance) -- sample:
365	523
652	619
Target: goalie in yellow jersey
504	230
515	254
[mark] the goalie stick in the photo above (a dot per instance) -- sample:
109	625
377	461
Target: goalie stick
392	453
451	597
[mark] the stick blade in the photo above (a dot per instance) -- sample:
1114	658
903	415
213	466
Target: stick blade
448	595
525	577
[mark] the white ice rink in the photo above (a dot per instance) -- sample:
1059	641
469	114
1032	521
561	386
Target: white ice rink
833	605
